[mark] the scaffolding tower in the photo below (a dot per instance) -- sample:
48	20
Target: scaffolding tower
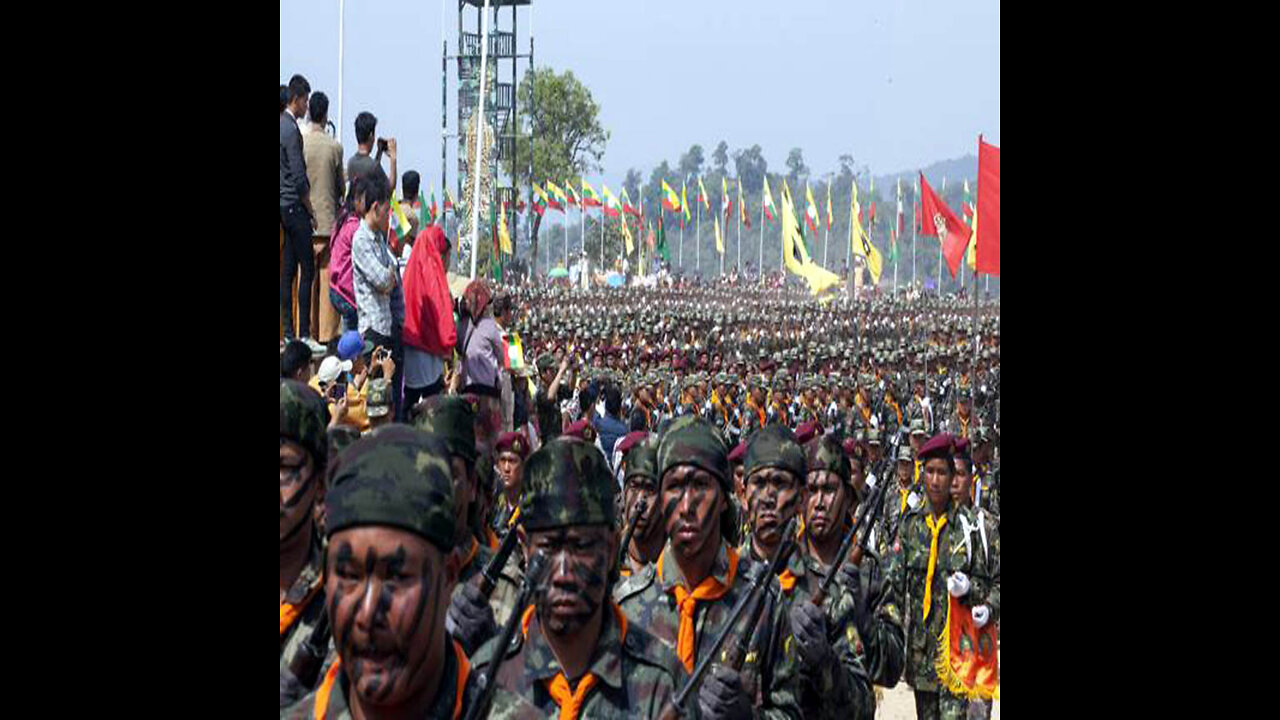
500	108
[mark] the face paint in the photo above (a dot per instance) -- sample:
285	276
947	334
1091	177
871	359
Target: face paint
297	476
377	605
691	506
576	582
774	495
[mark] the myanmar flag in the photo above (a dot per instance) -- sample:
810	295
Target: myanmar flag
811	210
558	195
767	202
670	200
449	204
612	207
742	209
702	195
726	204
569	193
540	201
627	207
684	202
589	196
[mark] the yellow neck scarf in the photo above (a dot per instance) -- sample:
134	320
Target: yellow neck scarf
902	508
933	558
709	589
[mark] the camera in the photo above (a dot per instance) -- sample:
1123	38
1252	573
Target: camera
382	145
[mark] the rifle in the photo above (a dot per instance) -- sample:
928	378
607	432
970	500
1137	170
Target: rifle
486	683
641	507
306	663
489	577
761	580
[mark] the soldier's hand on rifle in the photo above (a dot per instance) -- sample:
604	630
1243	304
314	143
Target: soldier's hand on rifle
721	696
809	626
470	620
958	584
863	598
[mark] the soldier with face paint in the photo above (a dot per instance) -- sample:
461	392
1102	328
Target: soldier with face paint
831	501
641	483
304	447
452	418
576	655
823	661
934	561
388	570
699	575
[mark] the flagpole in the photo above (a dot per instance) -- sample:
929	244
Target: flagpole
697	234
342	16
475	168
760	261
584	249
853	221
915	222
582	221
943	200
826	241
740	211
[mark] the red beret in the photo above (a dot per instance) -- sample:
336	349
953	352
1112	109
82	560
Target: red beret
739	453
807	431
962	447
850	446
631	439
938	446
514	442
582	430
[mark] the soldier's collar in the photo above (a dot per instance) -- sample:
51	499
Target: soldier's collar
540	662
669	571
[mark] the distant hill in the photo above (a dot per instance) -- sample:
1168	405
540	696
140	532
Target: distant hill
955	170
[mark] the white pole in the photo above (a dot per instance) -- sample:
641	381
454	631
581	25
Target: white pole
697	243
341	17
760	261
826	242
475	168
915	210
944	190
740	211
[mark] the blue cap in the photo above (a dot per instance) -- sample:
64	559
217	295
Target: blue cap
351	344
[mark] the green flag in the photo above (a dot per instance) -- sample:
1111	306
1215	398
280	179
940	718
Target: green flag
662	241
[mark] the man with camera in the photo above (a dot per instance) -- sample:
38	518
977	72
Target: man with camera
342	379
362	162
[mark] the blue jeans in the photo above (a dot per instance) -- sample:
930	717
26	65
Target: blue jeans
350	321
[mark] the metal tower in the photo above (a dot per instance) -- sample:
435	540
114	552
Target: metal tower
500	108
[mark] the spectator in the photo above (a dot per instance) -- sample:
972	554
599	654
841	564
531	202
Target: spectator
342	293
284	97
361	162
429	332
324	173
483	354
379	296
504	316
296	216
409	184
295	361
611	428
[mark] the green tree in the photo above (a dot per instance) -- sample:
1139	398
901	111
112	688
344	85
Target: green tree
720	157
557	110
750	166
691	162
797	171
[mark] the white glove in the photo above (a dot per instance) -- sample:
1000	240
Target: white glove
981	615
958	584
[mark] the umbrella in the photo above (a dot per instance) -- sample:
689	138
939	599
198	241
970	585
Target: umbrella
615	279
558	272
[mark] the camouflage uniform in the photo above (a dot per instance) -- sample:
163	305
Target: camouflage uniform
907	575
986	489
303	417
632	674
397	477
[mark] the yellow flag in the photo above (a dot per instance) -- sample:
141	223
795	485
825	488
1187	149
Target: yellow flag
818	278
626	234
719	241
861	245
973	242
403	228
504	237
702	193
684	200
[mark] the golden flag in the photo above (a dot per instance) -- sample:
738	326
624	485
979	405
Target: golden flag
626	234
861	245
973	242
504	237
719	241
817	277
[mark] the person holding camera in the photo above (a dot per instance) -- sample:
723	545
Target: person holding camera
379	295
362	162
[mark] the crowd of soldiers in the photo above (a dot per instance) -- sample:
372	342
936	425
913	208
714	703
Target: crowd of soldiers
806	491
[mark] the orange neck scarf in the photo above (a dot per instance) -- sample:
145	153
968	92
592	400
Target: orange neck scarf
326	687
475	547
570	700
708	589
933	558
787	580
289	613
896	409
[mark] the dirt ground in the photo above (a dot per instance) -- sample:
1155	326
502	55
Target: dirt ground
900	704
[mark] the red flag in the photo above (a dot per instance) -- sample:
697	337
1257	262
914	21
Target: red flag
988	208
940	222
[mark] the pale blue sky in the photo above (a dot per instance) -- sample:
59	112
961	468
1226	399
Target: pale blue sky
897	84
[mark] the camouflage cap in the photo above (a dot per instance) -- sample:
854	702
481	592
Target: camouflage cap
825	453
690	440
917	427
340	436
904	454
546	361
642	459
566	482
303	418
397	479
774	446
453	418
378	402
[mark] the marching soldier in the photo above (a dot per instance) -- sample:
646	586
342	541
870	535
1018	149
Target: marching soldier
932	563
389	568
304	449
576	655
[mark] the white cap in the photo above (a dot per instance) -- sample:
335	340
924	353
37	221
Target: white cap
330	368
